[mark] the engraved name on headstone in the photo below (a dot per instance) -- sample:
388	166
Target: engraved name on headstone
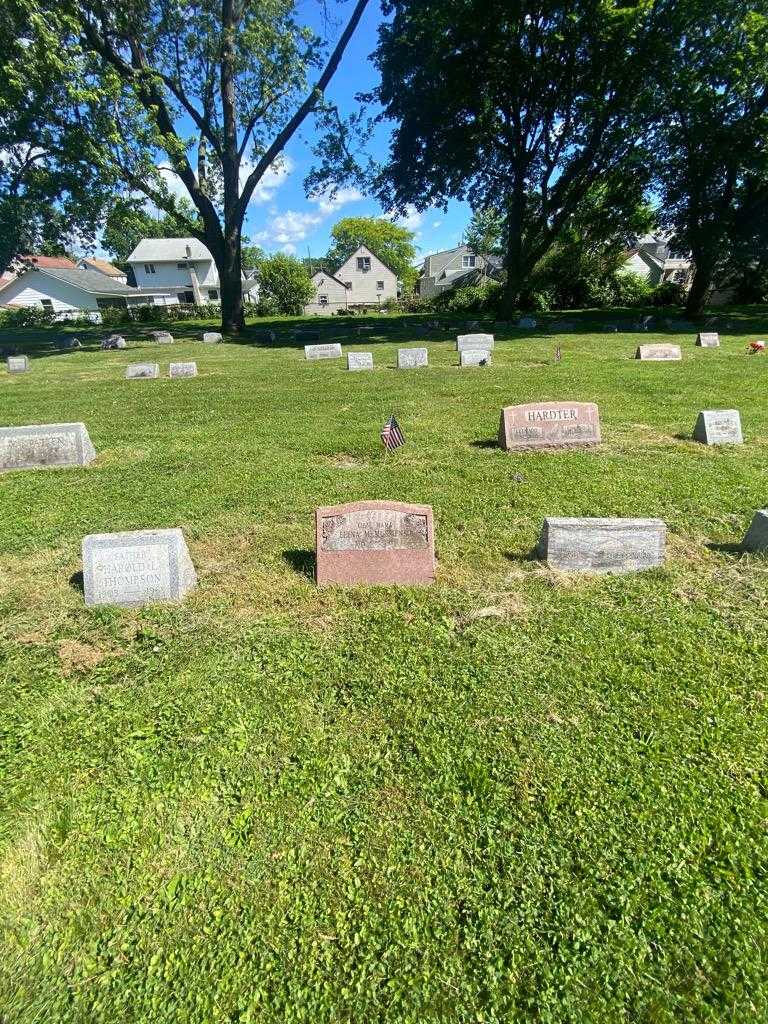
658	352
182	370
386	542
602	545
549	425
756	537
470	357
212	338
331	350
718	426
137	567
708	339
45	445
411	358
359	360
474	342
140	371
17	364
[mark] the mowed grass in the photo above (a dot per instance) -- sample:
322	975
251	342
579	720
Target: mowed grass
515	796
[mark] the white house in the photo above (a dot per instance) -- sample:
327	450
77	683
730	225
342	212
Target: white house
182	266
651	259
66	292
362	280
102	267
454	268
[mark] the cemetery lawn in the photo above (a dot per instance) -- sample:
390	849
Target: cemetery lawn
515	796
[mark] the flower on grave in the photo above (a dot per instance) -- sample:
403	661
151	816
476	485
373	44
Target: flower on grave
755	347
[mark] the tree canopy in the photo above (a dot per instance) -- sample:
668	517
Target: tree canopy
392	243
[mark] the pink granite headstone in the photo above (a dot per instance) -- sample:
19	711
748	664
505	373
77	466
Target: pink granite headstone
549	425
384	542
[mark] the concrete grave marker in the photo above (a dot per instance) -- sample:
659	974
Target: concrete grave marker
602	545
474	342
359	360
114	341
68	344
411	358
705	339
385	542
137	371
17	364
756	537
212	338
136	568
549	425
182	370
470	357
329	351
718	426
658	352
45	445
162	337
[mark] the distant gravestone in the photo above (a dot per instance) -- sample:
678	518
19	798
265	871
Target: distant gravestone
359	360
114	341
602	545
475	358
708	339
658	352
527	323
136	568
212	338
756	537
45	445
549	425
329	351
411	358
17	364
474	342
386	542
68	344
718	426
162	337
182	370
140	371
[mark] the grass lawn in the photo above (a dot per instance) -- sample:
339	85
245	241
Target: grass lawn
514	796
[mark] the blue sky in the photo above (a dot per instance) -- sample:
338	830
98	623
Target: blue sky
281	217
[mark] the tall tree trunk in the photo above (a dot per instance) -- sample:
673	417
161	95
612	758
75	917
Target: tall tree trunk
703	277
230	281
516	271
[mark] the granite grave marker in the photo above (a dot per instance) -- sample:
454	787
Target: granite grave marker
658	352
140	371
756	537
411	358
708	339
549	425
17	364
182	370
45	445
137	567
472	357
718	426
602	545
332	350
212	338
474	342
359	360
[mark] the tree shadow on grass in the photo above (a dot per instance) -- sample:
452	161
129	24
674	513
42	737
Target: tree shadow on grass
491	442
77	582
301	561
727	549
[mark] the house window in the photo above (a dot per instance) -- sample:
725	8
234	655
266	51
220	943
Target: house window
149	268
467	262
46	303
187	297
379	286
213	293
364	263
323	300
183	266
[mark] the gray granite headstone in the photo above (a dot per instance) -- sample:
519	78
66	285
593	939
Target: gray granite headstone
182	370
136	371
68	344
162	337
756	537
602	545
17	364
411	358
329	351
470	357
718	426
136	568
549	425
708	339
474	342
114	341
359	360
658	352
212	338
45	445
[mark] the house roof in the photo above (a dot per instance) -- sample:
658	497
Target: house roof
363	249
90	281
102	266
322	272
169	250
48	262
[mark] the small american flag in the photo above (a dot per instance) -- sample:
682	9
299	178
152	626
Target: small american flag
392	435
558	354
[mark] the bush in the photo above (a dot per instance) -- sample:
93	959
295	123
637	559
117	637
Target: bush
113	316
630	289
668	293
477	298
28	316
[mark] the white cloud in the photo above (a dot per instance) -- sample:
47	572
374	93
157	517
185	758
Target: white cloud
289	227
437	223
328	203
275	175
411	219
289	249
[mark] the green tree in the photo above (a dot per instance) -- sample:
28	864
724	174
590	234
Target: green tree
243	74
284	284
713	145
483	234
392	243
522	107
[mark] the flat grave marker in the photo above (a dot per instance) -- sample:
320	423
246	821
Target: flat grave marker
359	360
718	426
375	542
474	342
602	545
17	364
331	350
136	568
756	537
411	358
658	352
182	370
549	425
470	357
708	339
45	446
142	371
